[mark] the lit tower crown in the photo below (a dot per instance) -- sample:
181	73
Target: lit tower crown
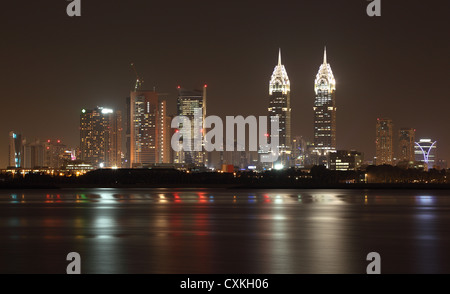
280	106
324	112
324	78
280	80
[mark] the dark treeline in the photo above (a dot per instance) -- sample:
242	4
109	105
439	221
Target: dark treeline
318	176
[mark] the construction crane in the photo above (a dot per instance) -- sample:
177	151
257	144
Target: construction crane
139	81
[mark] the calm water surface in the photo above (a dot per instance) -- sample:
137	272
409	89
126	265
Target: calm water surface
191	231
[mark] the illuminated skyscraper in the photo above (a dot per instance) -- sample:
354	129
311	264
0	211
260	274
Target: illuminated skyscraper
15	150
280	106
384	147
192	103
54	153
425	151
148	136
406	144
100	137
324	111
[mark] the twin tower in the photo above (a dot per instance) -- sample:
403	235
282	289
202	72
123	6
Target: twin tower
324	112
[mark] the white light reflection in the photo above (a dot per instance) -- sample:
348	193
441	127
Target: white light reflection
107	196
425	200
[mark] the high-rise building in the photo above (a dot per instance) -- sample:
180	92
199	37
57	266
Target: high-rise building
324	112
127	159
46	154
15	150
280	106
148	136
425	151
384	147
299	151
164	134
192	104
100	137
406	144
54	153
33	154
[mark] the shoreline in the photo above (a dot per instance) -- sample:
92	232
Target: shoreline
359	186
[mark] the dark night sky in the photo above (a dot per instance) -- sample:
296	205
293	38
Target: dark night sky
395	66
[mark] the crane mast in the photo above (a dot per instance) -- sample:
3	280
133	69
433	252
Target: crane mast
139	81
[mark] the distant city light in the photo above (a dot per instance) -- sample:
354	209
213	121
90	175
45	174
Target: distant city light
278	166
107	111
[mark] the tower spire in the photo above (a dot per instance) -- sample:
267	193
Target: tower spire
325	55
279	56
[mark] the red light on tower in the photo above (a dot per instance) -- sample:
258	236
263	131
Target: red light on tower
178	87
206	86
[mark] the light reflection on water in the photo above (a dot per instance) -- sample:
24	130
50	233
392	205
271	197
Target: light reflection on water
108	196
225	231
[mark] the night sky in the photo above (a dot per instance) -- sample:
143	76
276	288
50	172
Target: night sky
394	66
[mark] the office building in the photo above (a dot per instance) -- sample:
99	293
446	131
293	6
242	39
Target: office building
324	112
384	143
15	150
406	142
100	137
344	160
192	103
147	129
280	106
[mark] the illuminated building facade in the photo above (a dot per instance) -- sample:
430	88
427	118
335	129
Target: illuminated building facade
148	129
280	106
100	137
54	154
384	147
192	103
406	143
425	151
299	151
324	112
50	154
15	150
344	160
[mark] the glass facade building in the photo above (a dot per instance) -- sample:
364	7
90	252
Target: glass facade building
101	137
192	104
148	136
15	150
406	143
324	112
384	147
280	106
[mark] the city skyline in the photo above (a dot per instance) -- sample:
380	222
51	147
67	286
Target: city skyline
364	68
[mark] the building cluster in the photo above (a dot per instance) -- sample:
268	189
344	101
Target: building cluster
147	131
409	153
26	154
